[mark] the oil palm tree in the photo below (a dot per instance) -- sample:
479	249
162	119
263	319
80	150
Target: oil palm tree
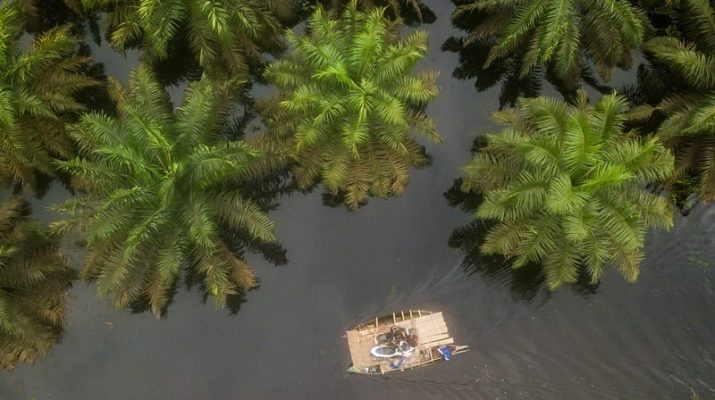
226	37
42	15
561	35
677	92
565	187
348	104
412	12
162	195
37	96
34	279
509	70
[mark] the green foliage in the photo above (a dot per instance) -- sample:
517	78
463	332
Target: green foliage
42	15
34	279
225	36
411	12
677	94
563	35
566	188
37	96
162	194
348	104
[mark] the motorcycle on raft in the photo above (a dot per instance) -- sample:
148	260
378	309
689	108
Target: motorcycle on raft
393	344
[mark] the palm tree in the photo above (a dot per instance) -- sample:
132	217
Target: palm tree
562	35
226	37
412	12
527	283
34	279
37	96
163	194
348	104
565	187
677	95
42	15
508	70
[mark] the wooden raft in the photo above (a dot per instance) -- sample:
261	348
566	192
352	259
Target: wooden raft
430	328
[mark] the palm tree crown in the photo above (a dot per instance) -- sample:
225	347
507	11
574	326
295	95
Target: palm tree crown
565	186
411	12
559	34
162	195
36	98
681	86
34	279
348	104
225	36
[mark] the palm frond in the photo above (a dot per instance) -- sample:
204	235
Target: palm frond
226	38
557	34
34	279
38	93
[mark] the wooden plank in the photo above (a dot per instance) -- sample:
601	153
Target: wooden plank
431	330
430	324
425	335
355	348
429	321
425	324
430	317
441	326
439	343
433	338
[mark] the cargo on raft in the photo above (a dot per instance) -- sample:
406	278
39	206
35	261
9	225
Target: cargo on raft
400	341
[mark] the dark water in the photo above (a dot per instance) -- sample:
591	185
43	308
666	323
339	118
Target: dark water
649	340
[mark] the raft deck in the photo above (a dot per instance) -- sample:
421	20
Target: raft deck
431	331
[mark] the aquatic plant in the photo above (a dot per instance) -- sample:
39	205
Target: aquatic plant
566	188
349	106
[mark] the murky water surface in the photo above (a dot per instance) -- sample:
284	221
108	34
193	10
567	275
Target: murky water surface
649	340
